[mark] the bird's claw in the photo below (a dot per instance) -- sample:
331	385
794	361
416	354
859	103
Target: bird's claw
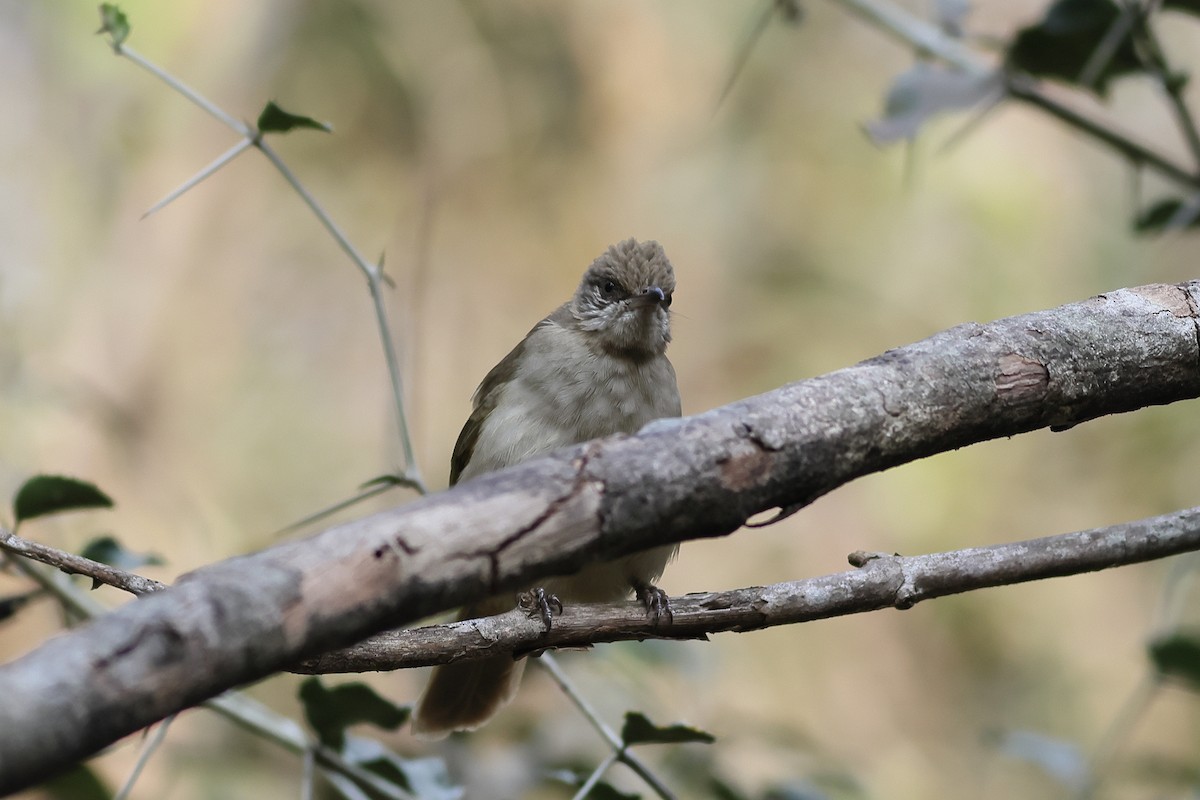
658	604
540	603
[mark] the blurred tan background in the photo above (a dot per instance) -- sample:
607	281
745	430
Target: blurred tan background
216	368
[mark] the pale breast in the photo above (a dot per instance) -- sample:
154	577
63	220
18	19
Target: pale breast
563	393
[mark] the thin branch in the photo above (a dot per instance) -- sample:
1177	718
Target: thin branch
241	128
78	565
1132	709
550	664
149	747
881	582
219	162
677	479
236	707
1110	43
931	40
595	777
373	274
308	768
364	495
1172	85
743	55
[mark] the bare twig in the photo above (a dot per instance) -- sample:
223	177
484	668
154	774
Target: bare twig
1172	85
149	746
78	565
374	275
234	706
551	666
1110	43
219	162
931	40
881	582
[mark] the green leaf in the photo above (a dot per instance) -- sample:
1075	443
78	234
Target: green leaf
1060	45
15	602
1186	6
107	550
51	494
274	119
114	22
640	730
1166	214
79	783
426	778
330	710
1178	656
606	791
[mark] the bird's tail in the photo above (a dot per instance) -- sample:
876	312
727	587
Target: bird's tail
465	695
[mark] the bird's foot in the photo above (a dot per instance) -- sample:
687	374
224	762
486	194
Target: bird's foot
658	604
540	603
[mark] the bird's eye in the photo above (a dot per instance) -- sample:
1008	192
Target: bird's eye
609	287
666	303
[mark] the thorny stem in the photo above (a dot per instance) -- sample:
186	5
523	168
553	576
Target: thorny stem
373	274
170	80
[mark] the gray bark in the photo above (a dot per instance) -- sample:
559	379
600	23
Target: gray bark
702	476
883	581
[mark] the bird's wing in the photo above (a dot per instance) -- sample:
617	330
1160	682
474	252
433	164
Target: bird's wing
488	394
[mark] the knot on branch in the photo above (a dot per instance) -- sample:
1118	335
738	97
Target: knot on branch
1021	380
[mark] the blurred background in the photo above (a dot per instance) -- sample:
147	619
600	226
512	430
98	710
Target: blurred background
216	367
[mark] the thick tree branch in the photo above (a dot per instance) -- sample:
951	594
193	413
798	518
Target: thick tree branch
242	619
884	581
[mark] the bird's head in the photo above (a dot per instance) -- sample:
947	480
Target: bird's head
624	299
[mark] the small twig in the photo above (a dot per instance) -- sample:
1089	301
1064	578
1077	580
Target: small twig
1172	85
149	747
1110	43
251	136
880	582
932	40
236	707
1134	707
743	56
342	505
78	565
191	94
211	169
308	769
594	778
551	666
285	732
1025	88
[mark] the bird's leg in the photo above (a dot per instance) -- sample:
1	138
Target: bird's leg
538	602
658	604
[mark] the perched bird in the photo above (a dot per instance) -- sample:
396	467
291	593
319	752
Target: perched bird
595	367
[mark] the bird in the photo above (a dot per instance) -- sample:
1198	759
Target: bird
595	366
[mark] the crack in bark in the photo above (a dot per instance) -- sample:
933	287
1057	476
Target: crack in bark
492	554
1195	315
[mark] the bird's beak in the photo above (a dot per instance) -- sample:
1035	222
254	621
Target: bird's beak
650	296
